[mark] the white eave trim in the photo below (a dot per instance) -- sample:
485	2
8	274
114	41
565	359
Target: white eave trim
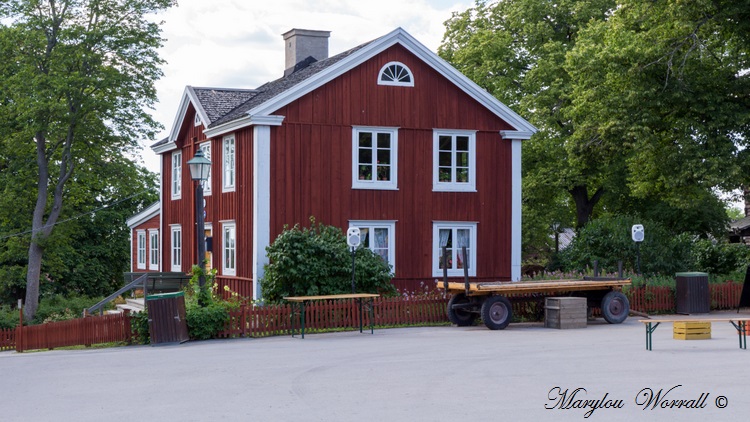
169	146
254	120
143	216
516	134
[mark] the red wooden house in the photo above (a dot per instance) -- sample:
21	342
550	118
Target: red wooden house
386	136
144	240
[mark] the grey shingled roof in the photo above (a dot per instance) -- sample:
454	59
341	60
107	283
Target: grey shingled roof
269	90
217	102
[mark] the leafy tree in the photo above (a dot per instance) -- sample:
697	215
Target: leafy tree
317	261
76	78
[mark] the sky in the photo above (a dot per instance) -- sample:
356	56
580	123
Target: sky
238	43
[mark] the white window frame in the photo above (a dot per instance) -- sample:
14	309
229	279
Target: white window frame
453	185
437	251
153	249
228	164
374	183
197	120
405	71
176	247
371	225
177	175
206	148
229	251
141	249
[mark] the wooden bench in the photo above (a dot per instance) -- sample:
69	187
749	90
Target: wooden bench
739	323
302	301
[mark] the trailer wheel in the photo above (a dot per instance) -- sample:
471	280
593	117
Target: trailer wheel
615	307
459	316
496	312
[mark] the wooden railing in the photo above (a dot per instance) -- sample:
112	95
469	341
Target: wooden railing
75	332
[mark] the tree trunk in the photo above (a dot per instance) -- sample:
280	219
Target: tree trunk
584	204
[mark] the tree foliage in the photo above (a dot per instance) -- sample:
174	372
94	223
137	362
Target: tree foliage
643	107
316	261
76	80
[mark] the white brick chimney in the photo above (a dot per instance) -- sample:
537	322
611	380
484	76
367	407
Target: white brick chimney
299	44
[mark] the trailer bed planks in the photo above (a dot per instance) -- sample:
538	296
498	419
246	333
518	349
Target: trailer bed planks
538	286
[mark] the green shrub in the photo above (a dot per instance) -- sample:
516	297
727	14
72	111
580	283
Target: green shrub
139	326
61	308
8	317
719	257
317	261
205	322
608	240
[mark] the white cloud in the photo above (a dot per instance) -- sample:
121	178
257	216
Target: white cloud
238	44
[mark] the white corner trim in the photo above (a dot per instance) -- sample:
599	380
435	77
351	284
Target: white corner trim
269	120
261	202
515	233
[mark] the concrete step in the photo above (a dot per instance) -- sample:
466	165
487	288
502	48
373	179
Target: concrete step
136	303
132	309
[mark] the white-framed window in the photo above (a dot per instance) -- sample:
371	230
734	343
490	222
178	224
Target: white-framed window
208	231
374	158
141	247
197	120
176	175
395	73
176	235
153	249
454	236
206	148
454	161
228	164
229	248
379	237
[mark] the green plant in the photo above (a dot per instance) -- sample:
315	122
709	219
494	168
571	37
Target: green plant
317	261
8	317
60	308
719	257
139	326
205	322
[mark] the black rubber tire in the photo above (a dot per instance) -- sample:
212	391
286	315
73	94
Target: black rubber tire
615	307
460	317
497	312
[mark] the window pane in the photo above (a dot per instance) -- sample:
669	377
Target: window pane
384	140
381	238
462	143
365	172
365	139
462	175
445	143
365	156
444	159
364	235
462	159
384	173
384	156
444	174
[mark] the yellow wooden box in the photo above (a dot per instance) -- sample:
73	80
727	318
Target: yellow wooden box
691	330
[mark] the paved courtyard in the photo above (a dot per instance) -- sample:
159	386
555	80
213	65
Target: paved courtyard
410	374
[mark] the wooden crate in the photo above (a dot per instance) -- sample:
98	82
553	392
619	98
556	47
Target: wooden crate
691	330
565	312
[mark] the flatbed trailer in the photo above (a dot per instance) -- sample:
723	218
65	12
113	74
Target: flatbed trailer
492	300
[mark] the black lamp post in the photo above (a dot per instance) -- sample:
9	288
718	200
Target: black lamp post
200	169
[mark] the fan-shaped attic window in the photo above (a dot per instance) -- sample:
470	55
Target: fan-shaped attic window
395	73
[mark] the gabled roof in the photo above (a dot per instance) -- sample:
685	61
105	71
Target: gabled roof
739	225
225	110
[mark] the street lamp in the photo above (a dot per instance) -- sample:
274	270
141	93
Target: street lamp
200	169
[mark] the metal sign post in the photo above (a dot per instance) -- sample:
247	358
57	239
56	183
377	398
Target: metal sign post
353	239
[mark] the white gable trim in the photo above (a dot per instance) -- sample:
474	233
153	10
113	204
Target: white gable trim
188	97
150	212
267	120
397	36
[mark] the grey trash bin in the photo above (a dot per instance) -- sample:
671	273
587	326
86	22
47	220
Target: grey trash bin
691	293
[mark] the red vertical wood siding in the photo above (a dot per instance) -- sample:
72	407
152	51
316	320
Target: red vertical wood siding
220	206
311	164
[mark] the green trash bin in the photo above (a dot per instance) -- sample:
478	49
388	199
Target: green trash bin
166	318
691	293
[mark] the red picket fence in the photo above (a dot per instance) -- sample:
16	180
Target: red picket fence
259	321
660	299
75	332
7	339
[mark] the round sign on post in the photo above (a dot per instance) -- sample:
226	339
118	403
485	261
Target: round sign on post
637	233
353	238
